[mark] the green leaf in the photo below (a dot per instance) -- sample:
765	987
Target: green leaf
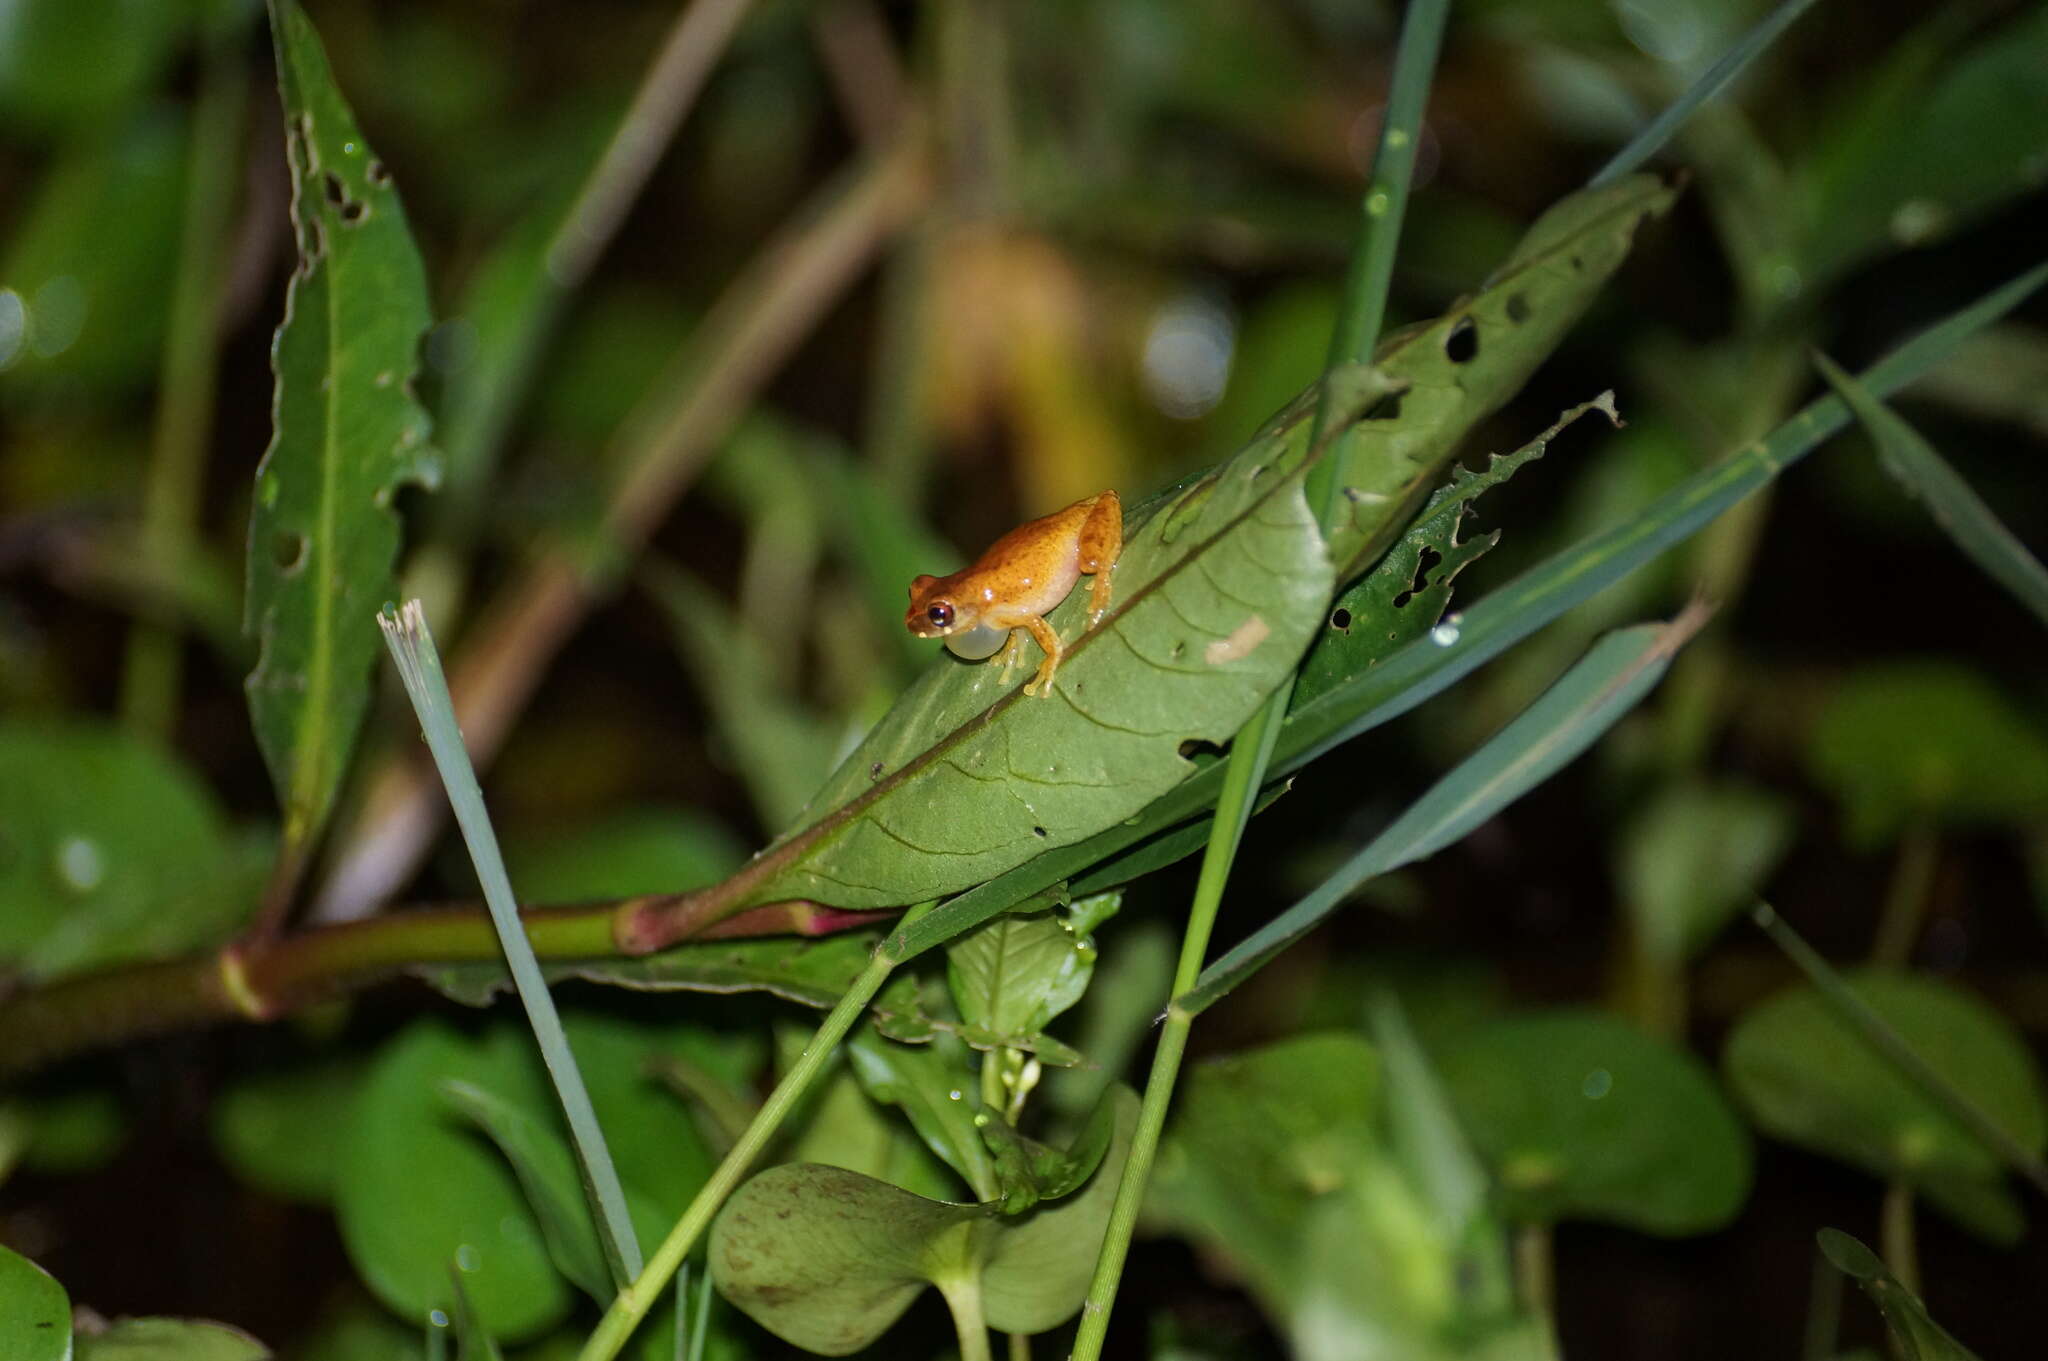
548	1173
284	1131
170	1339
1404	596
649	849
1693	857
1014	974
416	1190
828	1259
1568	718
92	260
811	972
1957	509
1927	153
1255	1138
115	853
840	1125
654	1140
1915	1336
1029	1173
1807	1077
35	1313
937	1091
1907	740
349	434
1581	1116
1035	1272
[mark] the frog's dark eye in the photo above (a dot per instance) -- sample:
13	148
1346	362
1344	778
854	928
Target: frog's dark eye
940	614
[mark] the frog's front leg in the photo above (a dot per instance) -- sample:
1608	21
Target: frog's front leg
1013	652
1100	544
1041	684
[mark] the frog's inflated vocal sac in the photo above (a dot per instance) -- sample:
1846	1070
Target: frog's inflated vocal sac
1017	582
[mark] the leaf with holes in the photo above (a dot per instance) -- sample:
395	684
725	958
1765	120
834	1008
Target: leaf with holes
347	435
1222	583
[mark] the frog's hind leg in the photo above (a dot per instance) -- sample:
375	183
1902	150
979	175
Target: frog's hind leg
1101	543
1041	684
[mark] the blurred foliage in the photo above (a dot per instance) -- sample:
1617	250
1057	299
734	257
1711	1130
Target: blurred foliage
1125	261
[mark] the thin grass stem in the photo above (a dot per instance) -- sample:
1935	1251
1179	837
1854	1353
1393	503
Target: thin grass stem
419	664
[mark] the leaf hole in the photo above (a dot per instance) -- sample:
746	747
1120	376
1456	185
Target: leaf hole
377	173
1340	619
1425	561
1388	408
875	771
1177	650
1461	346
1579	263
1518	308
1192	747
288	550
1038	831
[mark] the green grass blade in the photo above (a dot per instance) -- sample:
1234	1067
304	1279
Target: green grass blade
1605	684
1652	138
348	434
1545	591
412	647
1955	507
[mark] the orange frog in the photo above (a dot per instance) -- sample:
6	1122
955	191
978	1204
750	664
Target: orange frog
1018	581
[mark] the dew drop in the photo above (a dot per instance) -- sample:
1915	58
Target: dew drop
1376	204
1444	634
436	1319
1598	1083
953	1095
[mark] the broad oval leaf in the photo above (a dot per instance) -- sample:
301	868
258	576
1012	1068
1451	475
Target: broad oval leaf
1582	1116
283	1131
415	1189
170	1339
1808	1078
828	1258
1256	1137
115	852
348	434
35	1313
1928	739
